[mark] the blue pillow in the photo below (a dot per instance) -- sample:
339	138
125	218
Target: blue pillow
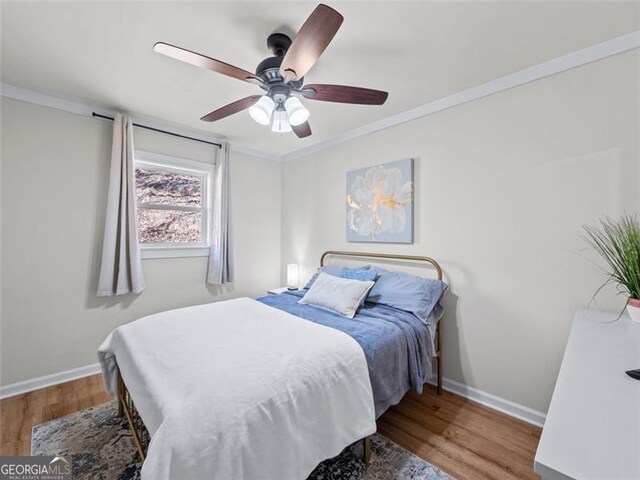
365	275
416	295
334	270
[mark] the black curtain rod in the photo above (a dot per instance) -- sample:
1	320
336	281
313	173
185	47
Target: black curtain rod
94	114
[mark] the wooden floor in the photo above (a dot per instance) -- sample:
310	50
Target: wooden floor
461	437
464	439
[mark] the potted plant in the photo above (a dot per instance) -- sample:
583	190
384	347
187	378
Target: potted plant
618	243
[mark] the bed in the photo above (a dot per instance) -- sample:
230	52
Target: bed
297	392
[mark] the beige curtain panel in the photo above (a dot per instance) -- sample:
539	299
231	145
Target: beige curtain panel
121	269
221	264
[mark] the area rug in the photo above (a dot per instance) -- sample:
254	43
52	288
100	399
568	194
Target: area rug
101	447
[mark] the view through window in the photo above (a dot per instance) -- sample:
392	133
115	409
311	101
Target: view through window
172	203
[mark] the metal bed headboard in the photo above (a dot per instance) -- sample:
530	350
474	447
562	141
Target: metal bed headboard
411	258
336	253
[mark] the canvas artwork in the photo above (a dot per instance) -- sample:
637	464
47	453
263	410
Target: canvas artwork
380	203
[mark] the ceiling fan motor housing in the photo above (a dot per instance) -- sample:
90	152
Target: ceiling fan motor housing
268	70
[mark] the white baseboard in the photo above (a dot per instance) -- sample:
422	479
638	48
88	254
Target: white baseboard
37	383
494	402
487	399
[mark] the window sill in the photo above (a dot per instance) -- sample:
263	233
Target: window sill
173	252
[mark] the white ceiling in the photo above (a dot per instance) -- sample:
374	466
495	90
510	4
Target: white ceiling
101	54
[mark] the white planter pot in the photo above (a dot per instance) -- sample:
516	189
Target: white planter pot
633	309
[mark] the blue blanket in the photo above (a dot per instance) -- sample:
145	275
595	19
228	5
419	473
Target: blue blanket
396	344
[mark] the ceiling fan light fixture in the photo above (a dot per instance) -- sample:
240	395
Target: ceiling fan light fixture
280	122
296	111
261	110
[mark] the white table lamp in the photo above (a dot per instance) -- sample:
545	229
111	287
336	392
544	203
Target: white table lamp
292	276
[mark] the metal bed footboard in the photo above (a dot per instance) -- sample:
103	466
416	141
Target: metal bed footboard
141	436
126	407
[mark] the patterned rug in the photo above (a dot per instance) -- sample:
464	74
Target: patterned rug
101	448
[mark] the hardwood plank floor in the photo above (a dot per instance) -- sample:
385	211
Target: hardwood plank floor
20	413
465	439
461	437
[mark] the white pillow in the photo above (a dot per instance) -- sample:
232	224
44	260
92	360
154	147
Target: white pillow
340	295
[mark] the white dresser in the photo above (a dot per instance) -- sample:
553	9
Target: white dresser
592	430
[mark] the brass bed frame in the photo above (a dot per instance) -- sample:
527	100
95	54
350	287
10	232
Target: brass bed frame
139	431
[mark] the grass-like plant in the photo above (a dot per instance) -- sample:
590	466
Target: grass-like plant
618	243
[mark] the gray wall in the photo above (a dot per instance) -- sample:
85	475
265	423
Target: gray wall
54	177
502	188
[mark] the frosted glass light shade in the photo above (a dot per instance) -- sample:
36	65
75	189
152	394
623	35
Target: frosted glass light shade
261	110
296	111
280	122
292	275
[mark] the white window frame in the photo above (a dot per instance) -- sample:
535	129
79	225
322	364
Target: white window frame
156	161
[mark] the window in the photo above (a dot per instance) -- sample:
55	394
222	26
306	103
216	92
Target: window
173	200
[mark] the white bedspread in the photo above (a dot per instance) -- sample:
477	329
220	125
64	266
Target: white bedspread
240	390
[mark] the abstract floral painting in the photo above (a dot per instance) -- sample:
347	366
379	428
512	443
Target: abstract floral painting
380	203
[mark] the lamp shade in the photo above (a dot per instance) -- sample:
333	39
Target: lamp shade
296	112
280	122
261	110
292	275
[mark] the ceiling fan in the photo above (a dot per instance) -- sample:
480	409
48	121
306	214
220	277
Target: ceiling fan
282	76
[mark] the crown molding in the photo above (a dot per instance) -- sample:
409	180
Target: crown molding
561	64
572	60
30	96
24	95
254	152
59	103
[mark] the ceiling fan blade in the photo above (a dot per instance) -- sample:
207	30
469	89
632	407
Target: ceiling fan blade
344	94
310	42
203	61
232	108
302	130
